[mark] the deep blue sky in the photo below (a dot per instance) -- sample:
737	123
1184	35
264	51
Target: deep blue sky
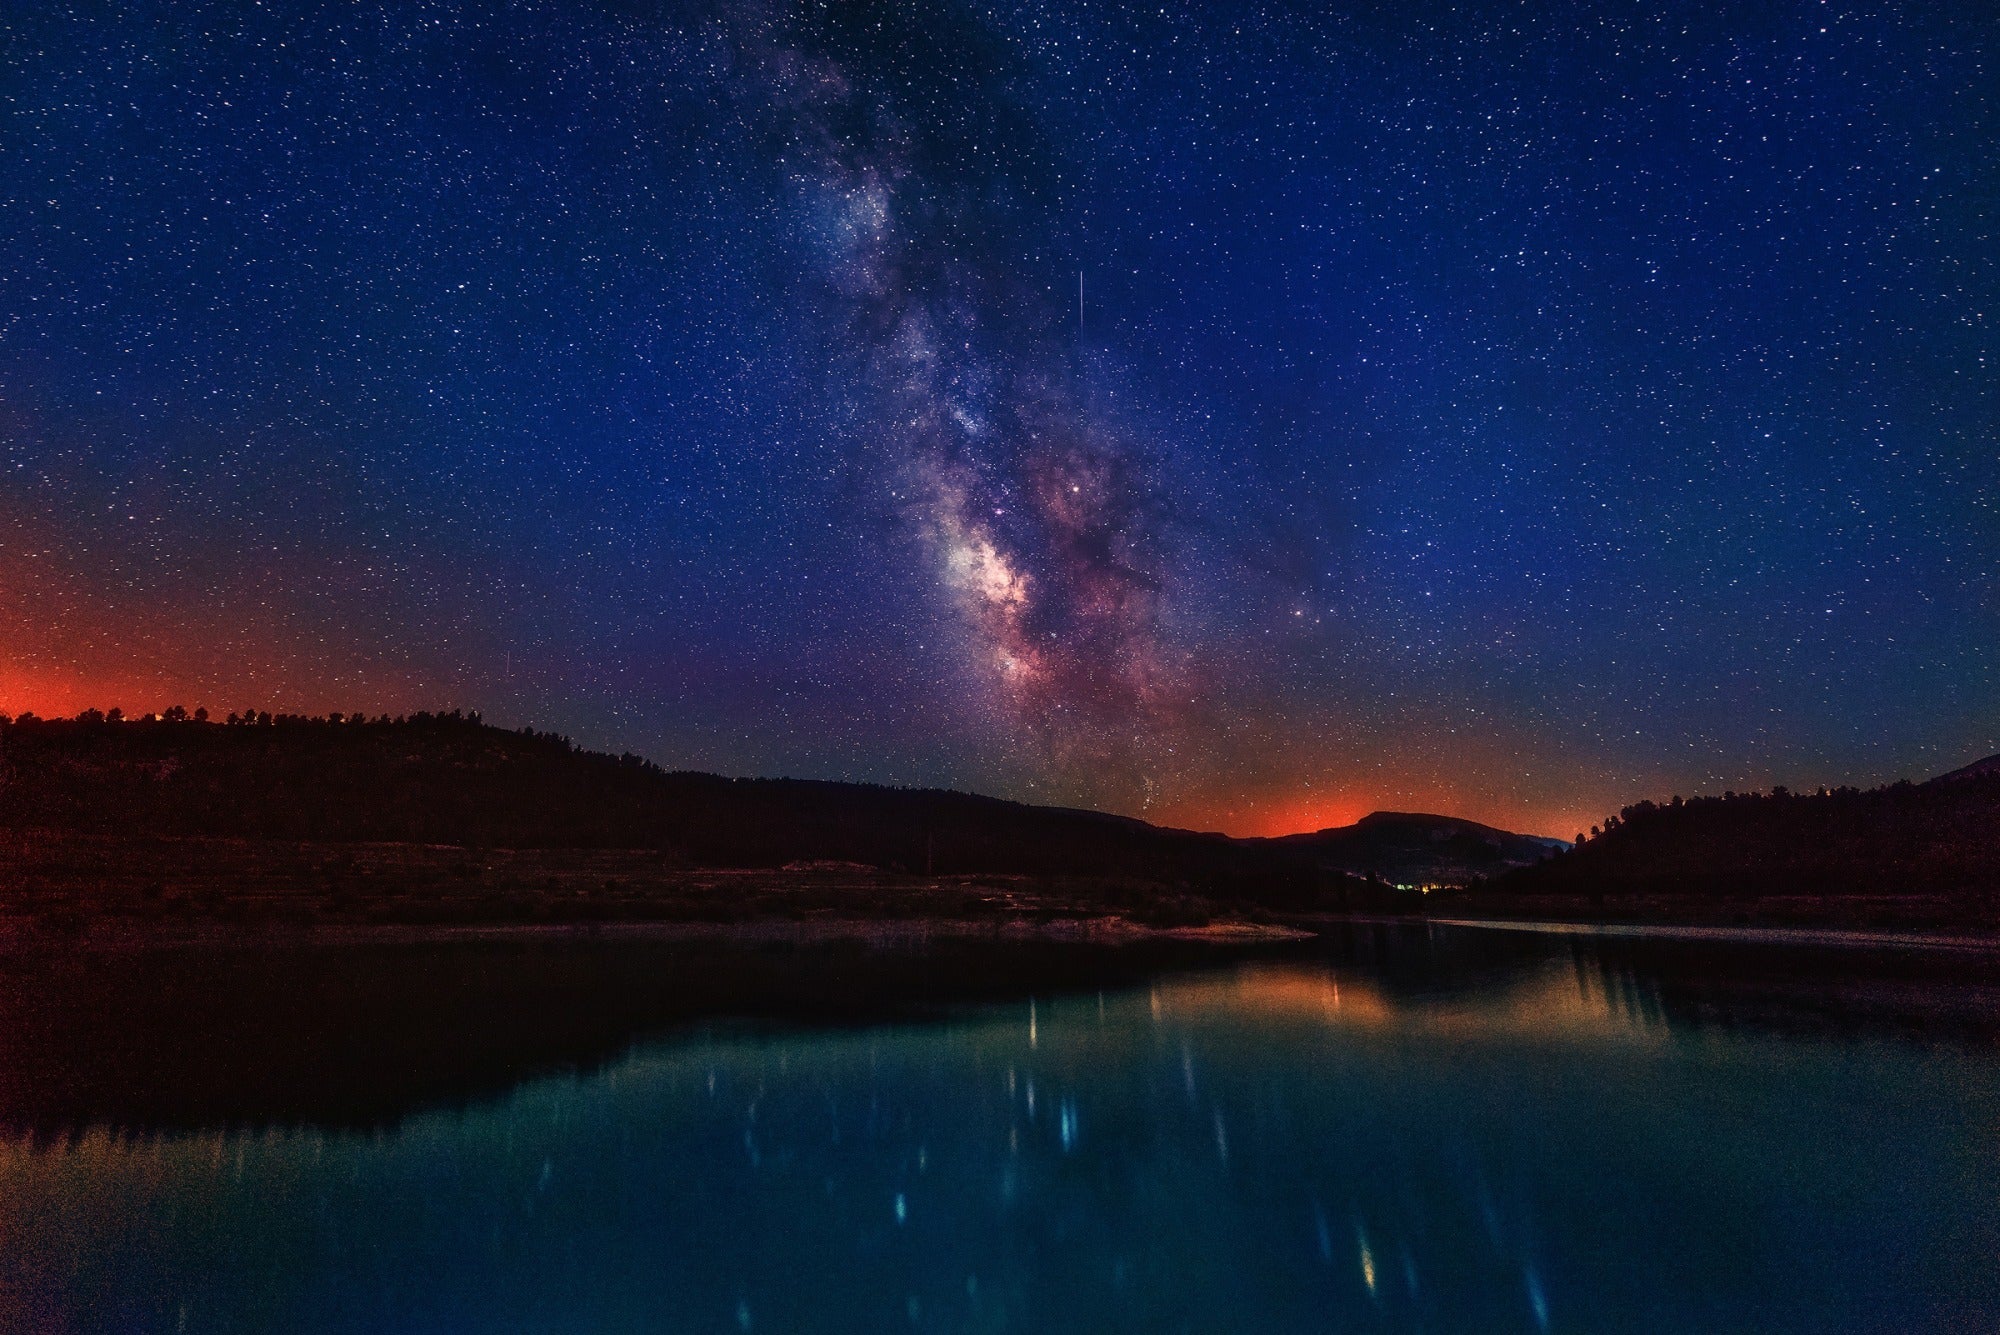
1509	409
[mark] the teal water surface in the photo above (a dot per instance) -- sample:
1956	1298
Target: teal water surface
1536	1141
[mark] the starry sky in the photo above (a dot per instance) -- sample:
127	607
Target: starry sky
1240	415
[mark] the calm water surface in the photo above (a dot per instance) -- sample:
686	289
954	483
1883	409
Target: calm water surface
1522	1136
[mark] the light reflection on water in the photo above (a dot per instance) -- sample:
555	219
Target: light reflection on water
1295	1146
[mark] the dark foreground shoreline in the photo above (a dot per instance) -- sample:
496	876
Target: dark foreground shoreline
69	891
66	891
1737	933
1101	933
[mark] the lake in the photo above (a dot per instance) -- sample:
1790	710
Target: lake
1400	1128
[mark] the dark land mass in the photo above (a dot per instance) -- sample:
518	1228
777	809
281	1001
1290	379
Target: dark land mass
1988	768
122	832
124	829
118	891
445	779
1413	849
1907	856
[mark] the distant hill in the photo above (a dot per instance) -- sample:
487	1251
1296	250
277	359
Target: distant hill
1410	848
1978	769
1900	855
450	779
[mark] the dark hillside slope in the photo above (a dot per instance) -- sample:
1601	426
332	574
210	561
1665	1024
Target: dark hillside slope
1978	769
446	779
1928	852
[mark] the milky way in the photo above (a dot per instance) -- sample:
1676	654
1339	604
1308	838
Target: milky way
918	186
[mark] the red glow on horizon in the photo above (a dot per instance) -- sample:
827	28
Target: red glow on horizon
63	694
1268	815
1302	813
57	694
1275	814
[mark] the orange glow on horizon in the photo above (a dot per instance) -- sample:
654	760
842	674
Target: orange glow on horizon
63	694
1271	815
51	693
1275	814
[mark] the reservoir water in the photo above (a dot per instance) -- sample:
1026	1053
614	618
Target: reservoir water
1404	1129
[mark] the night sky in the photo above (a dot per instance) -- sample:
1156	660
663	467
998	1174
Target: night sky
1509	410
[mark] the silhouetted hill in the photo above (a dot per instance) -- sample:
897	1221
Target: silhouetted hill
1411	848
1900	855
447	779
1978	769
